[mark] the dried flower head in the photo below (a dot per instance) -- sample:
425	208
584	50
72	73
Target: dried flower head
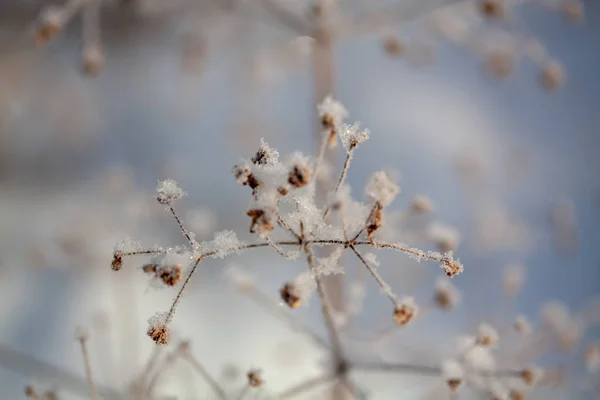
381	189
375	221
573	10
500	63
487	335
169	274
50	25
255	378
352	135
451	266
421	204
592	357
290	295
531	375
244	176
492	9
452	373
515	394
522	325
446	295
117	261
332	113
92	60
262	221
405	311
157	328
552	76
168	191
265	155
393	46
300	172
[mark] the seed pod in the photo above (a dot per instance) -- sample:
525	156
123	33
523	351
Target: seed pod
159	334
289	294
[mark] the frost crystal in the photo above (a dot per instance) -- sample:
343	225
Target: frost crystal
128	245
371	258
452	370
332	110
352	135
158	319
265	155
381	189
168	191
224	243
487	335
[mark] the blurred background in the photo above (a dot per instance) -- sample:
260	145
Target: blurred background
188	88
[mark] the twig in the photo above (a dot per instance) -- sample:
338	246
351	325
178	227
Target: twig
205	375
88	367
304	386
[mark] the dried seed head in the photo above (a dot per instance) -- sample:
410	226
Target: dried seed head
50	25
512	281
451	266
405	311
421	205
452	373
522	325
262	222
289	294
92	60
299	176
569	337
500	63
244	176
332	113
531	375
375	221
487	336
255	378
352	135
168	191
282	190
592	357
149	268
169	274
157	328
159	334
552	76
117	261
573	10
446	296
393	46
31	392
265	155
516	395
492	9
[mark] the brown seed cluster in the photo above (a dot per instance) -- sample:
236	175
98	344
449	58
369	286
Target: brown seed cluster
49	27
492	9
516	395
117	262
254	378
453	384
500	63
393	47
245	177
261	221
451	267
530	376
404	313
328	123
159	334
299	176
375	221
289	294
169	274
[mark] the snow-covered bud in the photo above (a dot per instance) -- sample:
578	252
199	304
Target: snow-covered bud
393	46
262	222
531	375
512	281
492	9
451	266
381	189
352	135
487	335
168	191
446	295
375	221
169	274
157	328
332	113
421	204
50	25
265	155
92	60
592	357
290	295
244	176
552	76
117	261
300	171
405	311
255	378
452	373
522	325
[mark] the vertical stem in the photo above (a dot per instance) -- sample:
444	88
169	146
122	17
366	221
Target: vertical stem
88	368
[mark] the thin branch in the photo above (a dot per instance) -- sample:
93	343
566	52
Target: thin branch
342	176
184	231
88	368
305	386
180	293
205	375
384	286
